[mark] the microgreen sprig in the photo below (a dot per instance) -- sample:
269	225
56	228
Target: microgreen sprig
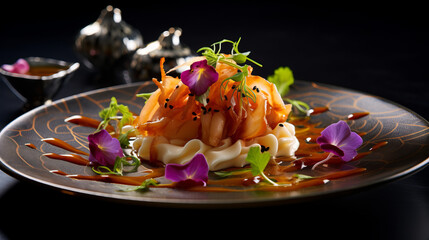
214	55
258	161
118	167
111	112
283	79
142	187
236	55
301	106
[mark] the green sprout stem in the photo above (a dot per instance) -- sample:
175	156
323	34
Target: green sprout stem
268	179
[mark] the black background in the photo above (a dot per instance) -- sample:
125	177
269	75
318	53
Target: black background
378	48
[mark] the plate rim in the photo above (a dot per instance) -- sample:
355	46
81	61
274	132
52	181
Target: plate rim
207	203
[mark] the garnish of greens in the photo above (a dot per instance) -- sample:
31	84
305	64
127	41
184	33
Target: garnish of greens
214	56
283	79
143	187
111	113
258	161
106	151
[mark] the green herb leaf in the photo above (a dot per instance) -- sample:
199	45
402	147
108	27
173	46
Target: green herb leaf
124	140
118	167
224	174
301	177
127	116
240	58
283	79
145	96
213	56
143	187
301	106
238	77
258	161
112	111
103	170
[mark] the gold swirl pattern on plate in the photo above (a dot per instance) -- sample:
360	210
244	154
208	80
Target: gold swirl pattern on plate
403	135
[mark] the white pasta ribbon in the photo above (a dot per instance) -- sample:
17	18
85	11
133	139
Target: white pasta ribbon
281	141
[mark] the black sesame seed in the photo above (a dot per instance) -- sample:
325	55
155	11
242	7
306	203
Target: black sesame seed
171	106
254	87
242	95
194	113
233	87
281	125
165	105
177	86
226	98
195	118
264	149
216	110
229	107
208	100
257	89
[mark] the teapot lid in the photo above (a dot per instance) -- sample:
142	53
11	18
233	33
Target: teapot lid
110	14
170	45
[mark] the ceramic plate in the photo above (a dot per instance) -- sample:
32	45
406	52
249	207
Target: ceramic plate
406	134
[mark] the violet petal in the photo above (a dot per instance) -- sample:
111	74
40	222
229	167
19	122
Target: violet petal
332	149
197	170
338	139
334	133
104	148
200	77
175	172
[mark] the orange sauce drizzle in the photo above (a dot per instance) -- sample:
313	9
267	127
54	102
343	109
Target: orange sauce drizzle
73	158
357	115
280	169
61	144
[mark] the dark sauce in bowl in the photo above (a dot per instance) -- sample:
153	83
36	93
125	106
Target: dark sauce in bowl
44	70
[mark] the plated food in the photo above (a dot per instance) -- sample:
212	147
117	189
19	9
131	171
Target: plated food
394	145
216	128
174	126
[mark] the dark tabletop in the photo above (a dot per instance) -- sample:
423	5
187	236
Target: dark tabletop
381	50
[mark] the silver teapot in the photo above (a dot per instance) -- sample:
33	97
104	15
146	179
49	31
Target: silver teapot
107	42
145	61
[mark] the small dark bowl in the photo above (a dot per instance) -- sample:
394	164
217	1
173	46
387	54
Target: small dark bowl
38	90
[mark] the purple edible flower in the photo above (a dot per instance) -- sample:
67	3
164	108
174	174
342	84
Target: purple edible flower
104	148
200	77
339	140
21	66
193	173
